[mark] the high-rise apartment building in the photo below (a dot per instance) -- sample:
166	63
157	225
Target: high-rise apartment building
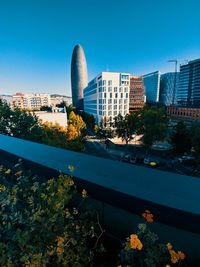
188	93
137	96
32	101
168	88
152	86
107	95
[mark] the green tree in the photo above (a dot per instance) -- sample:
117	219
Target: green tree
126	126
195	136
19	123
25	125
153	125
181	138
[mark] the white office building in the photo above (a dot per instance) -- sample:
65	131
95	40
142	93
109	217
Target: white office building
107	95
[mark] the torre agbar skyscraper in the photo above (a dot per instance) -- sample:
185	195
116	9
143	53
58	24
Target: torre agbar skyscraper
79	76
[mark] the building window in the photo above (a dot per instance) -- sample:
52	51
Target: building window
110	82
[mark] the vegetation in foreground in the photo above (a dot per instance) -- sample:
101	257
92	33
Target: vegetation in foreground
49	223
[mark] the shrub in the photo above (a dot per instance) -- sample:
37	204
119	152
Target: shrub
142	249
45	223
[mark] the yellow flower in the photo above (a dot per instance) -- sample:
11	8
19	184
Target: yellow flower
84	193
8	171
71	168
169	246
167	265
135	242
2	188
60	189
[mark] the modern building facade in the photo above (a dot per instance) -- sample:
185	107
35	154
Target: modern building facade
137	96
152	86
107	95
31	101
188	93
79	77
168	88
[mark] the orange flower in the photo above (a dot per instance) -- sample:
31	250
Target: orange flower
18	173
174	256
135	242
181	255
148	216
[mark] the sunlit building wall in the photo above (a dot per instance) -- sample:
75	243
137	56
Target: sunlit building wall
107	95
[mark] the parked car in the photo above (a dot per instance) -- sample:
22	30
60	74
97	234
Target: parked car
146	160
133	160
126	158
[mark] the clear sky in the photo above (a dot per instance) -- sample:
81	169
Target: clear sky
137	36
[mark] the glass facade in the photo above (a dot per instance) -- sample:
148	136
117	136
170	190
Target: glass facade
152	86
167	88
188	93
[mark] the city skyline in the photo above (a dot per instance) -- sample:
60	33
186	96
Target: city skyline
37	40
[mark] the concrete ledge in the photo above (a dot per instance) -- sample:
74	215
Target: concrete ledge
173	198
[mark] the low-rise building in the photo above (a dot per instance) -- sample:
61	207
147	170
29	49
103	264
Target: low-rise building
183	113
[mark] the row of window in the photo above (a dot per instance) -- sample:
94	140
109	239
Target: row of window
121	89
110	107
111	95
110	113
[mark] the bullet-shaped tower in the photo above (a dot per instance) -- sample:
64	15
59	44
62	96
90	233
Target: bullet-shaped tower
79	77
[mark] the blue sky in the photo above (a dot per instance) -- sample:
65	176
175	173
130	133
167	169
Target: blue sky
136	36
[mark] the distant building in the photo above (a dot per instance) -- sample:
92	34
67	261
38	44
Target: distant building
188	93
107	95
137	96
183	113
7	99
30	101
152	86
79	77
167	88
58	99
